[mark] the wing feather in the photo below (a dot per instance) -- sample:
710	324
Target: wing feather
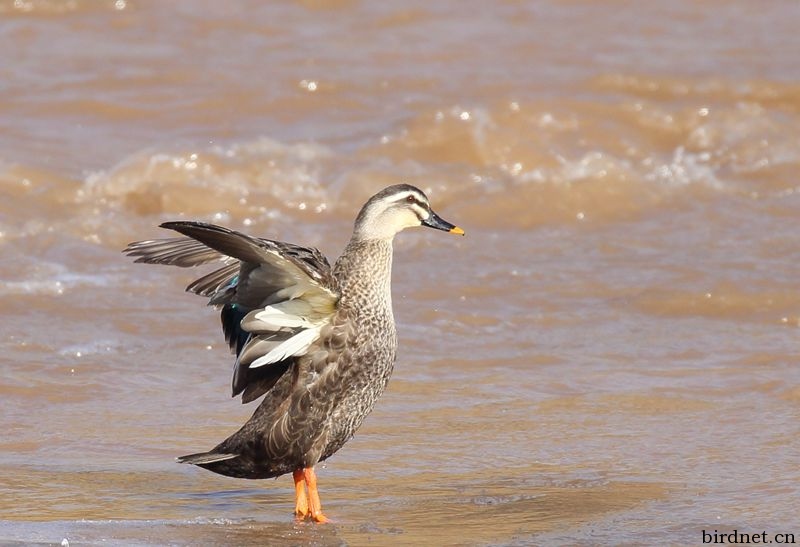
216	281
294	346
275	297
177	251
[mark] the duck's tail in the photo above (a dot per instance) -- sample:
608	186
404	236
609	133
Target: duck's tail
241	466
205	458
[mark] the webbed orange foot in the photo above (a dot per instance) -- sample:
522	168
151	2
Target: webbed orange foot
300	497
307	505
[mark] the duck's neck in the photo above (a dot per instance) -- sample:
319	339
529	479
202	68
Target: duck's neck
364	274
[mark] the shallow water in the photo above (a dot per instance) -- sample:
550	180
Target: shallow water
609	356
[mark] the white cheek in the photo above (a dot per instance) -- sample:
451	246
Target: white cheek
411	219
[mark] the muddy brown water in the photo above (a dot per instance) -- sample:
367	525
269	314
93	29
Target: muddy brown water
609	357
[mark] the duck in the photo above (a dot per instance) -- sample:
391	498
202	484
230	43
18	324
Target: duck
316	343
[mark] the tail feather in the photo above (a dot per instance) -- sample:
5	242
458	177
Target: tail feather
244	465
205	458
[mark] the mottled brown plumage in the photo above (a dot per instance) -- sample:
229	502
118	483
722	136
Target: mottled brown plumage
317	343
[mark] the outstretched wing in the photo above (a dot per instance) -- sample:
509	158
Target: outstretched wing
186	252
275	297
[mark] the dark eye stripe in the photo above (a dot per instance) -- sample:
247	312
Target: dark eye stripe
420	209
411	199
413	202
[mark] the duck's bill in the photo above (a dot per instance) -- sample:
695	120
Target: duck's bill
435	221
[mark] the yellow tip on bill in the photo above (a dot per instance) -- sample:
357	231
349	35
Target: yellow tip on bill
456	230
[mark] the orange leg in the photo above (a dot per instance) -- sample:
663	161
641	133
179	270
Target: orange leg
300	498
315	506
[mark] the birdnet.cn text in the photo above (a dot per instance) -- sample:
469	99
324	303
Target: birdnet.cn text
735	537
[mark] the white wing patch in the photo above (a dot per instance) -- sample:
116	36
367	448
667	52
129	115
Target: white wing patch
296	345
279	331
274	317
279	320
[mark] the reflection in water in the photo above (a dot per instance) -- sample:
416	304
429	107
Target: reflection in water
609	358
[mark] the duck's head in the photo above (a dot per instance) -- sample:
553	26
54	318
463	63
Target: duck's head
395	208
